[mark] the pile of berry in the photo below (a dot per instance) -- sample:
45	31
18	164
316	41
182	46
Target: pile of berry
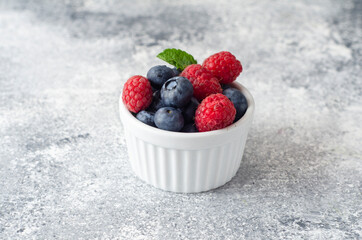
190	97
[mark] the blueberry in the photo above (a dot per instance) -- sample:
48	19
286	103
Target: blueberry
177	92
176	72
156	102
189	128
154	89
225	86
189	110
168	118
146	117
239	101
158	75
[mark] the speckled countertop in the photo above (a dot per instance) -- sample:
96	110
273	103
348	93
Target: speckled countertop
64	171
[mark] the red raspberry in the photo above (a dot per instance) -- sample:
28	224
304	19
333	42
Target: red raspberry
214	112
224	66
137	93
202	80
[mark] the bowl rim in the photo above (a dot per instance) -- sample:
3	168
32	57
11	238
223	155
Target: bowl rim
185	135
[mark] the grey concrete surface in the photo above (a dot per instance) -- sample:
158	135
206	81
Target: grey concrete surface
64	171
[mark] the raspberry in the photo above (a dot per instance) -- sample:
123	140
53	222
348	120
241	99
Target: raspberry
202	80
224	66
215	112
137	93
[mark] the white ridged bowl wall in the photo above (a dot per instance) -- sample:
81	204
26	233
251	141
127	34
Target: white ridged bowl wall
186	162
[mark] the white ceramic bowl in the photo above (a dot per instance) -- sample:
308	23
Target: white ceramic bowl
186	162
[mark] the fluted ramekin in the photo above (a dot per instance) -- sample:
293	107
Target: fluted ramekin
186	162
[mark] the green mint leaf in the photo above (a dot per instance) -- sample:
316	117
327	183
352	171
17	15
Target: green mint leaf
176	57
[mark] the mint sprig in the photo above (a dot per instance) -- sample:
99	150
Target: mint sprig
176	57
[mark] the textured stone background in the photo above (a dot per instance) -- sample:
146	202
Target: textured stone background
64	171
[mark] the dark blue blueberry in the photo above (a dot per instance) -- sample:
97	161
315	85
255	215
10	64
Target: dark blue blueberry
189	110
156	102
175	72
226	86
177	92
189	128
154	89
158	75
169	118
238	100
146	117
